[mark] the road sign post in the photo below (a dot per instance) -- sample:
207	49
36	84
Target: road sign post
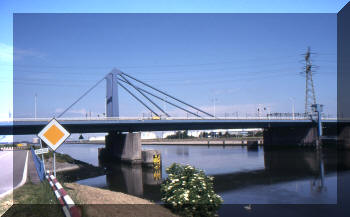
41	151
53	134
54	163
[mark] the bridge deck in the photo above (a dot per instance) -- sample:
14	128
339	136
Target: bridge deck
31	126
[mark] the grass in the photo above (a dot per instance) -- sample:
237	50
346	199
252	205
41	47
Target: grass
33	200
40	200
61	157
85	170
35	194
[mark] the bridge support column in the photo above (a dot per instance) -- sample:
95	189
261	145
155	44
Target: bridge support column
343	137
123	147
290	136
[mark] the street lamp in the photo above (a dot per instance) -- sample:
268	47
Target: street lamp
214	101
293	108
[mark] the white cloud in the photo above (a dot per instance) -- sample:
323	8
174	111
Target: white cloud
6	53
22	53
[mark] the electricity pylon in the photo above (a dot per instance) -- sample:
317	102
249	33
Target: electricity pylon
310	97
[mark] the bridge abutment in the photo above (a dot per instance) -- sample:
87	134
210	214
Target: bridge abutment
123	147
290	136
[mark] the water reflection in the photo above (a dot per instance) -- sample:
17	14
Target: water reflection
182	150
245	175
134	179
317	185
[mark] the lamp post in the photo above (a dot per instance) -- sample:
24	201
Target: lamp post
293	107
214	102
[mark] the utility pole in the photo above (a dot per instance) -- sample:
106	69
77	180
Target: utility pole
258	110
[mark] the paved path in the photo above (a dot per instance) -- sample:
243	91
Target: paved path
12	164
32	172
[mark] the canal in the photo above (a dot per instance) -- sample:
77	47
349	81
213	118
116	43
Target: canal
242	175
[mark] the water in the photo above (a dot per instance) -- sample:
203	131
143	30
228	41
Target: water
84	152
242	175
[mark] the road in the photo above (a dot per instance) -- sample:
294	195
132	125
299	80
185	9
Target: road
12	169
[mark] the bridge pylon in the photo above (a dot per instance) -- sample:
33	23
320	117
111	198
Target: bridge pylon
112	99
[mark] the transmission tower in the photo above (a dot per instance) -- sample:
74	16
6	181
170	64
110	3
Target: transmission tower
310	97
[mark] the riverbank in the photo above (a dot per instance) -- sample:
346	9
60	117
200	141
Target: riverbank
102	202
190	141
35	199
204	141
71	170
31	200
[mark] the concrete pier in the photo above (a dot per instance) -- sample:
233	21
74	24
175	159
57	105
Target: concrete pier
290	135
123	147
344	136
148	157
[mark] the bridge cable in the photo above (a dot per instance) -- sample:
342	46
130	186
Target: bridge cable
167	94
126	89
75	102
164	100
144	95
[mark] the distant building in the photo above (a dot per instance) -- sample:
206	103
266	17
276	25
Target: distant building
168	133
198	133
97	138
148	135
35	140
194	133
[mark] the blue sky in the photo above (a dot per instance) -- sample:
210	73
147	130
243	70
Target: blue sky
195	57
242	60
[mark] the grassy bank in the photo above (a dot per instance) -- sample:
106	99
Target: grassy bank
84	170
31	200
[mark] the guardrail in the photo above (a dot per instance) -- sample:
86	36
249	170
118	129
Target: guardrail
68	206
38	165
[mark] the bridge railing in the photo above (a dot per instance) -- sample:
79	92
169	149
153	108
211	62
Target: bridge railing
38	165
165	118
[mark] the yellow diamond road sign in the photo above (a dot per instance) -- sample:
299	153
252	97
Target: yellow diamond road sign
53	134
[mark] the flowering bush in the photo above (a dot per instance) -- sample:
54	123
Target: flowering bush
189	192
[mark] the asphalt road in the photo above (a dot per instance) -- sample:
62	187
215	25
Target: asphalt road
12	165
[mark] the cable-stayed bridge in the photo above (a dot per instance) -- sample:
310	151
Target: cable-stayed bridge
277	130
134	124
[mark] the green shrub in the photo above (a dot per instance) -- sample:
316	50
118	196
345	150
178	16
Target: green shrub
189	192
